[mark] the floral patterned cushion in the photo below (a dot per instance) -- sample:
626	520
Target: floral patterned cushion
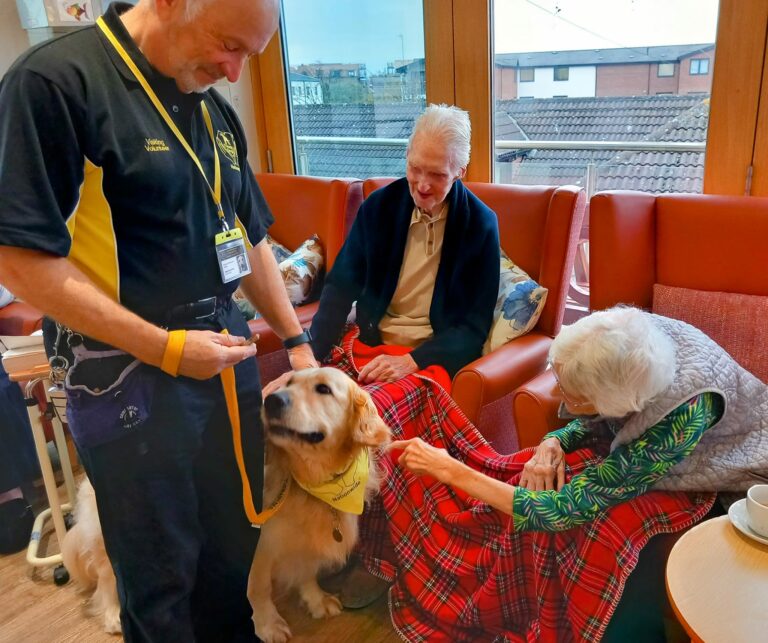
302	272
518	307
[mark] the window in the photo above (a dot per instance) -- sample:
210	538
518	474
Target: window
356	46
699	66
561	73
666	70
527	74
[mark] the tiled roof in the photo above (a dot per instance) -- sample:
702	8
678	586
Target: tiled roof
620	55
644	118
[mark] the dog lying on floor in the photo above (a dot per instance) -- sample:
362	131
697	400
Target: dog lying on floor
86	560
322	430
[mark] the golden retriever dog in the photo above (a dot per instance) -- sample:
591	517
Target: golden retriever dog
86	560
317	427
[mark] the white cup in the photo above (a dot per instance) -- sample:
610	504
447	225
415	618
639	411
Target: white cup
757	509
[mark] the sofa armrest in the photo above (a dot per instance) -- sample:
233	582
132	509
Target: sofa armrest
19	318
535	406
495	375
269	342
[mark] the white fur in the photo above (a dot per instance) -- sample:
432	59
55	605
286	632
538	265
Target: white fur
86	560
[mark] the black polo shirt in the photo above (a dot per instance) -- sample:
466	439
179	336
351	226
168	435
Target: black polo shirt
89	170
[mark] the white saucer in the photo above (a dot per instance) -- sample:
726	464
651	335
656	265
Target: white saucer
738	515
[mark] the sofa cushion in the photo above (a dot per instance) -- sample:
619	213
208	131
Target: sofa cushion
302	272
278	249
6	297
739	323
518	306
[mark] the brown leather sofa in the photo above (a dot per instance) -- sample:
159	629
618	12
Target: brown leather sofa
699	242
538	228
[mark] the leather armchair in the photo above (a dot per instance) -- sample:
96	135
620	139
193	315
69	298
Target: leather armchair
303	206
538	228
701	242
19	318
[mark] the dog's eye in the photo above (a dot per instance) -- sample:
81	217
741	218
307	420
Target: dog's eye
324	389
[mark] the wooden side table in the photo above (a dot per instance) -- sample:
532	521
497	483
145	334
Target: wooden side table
717	582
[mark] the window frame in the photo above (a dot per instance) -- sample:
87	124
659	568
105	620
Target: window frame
670	75
527	80
560	68
701	62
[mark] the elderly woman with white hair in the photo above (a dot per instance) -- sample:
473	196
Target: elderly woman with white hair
674	410
421	261
662	418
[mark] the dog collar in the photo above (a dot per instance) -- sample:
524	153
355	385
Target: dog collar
346	490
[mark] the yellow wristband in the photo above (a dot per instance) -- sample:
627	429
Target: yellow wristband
173	351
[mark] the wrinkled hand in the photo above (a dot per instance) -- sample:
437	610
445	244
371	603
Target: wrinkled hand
424	459
387	368
302	357
275	384
206	353
546	469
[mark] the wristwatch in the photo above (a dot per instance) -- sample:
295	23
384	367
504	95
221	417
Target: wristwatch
297	340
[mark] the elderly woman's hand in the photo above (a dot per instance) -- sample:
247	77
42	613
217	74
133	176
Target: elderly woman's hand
546	469
387	368
424	459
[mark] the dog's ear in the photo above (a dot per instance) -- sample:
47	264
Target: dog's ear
367	427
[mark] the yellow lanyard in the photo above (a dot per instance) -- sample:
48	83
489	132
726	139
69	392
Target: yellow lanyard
216	189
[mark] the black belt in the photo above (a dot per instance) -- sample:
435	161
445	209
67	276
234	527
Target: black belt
201	310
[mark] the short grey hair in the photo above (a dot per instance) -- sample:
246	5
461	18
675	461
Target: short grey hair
191	7
451	125
618	359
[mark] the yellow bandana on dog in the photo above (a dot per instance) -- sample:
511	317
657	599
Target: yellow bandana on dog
346	490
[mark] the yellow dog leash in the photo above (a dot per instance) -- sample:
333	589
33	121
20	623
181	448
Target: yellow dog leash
170	364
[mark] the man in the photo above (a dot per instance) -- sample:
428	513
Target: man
422	264
421	261
125	202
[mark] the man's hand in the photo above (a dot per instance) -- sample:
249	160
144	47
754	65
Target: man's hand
424	459
387	368
546	469
206	353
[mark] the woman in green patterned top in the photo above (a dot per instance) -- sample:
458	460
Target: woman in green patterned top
608	366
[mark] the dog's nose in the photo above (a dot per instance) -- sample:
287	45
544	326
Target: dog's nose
275	403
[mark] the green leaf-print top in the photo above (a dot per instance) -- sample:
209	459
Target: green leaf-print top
628	471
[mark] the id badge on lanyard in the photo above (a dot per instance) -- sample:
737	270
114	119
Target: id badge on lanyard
231	252
232	255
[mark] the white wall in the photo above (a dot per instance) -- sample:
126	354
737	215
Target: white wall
13	39
581	82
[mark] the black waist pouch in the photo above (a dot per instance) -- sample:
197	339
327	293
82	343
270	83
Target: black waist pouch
109	396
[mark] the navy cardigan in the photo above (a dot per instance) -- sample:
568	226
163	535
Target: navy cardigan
368	268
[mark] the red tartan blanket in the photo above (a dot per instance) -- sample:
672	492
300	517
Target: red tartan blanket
461	572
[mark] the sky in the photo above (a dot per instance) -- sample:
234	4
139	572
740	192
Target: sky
376	32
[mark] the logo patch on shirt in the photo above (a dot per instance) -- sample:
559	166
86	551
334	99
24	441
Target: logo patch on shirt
156	145
228	147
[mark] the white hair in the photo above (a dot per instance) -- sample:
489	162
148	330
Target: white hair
618	359
191	7
449	124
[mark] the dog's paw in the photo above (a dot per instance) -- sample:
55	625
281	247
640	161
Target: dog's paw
112	621
274	631
324	605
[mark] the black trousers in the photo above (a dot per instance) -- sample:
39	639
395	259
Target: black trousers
170	504
18	460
